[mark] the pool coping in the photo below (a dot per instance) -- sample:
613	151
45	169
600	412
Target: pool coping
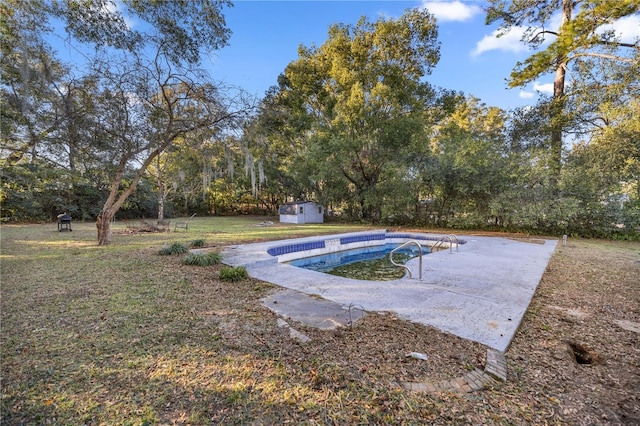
317	246
479	293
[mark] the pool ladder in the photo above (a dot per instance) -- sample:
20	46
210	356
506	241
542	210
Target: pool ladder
405	266
450	238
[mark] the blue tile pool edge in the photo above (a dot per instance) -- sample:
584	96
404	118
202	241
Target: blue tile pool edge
334	243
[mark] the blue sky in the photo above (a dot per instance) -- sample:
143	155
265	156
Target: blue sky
267	33
266	36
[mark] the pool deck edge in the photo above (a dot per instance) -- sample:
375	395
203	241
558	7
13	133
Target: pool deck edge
480	293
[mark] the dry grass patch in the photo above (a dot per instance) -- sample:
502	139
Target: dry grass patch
119	335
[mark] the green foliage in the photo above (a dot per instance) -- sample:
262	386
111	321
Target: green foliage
39	191
604	177
142	203
233	273
195	26
468	165
203	259
353	124
354	106
93	122
173	249
580	35
197	243
580	47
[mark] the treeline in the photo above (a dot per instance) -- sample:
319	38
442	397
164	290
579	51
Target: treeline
353	124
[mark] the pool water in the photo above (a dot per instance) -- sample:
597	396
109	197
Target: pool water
368	263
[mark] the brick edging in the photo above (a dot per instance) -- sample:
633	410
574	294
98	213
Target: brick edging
495	370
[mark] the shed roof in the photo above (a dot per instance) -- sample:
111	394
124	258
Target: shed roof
294	203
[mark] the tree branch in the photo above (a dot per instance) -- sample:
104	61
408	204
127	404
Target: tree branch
603	56
619	44
541	33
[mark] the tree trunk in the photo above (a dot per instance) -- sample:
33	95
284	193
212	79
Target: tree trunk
115	200
103	223
161	195
160	205
161	198
558	107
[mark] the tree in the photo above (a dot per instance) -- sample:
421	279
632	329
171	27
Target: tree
274	137
469	163
192	167
582	34
181	31
30	74
358	102
141	104
167	106
605	174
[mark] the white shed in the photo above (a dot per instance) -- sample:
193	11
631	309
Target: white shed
301	212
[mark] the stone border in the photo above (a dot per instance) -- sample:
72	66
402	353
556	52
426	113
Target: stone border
495	371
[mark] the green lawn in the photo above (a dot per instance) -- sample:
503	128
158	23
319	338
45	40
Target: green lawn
118	334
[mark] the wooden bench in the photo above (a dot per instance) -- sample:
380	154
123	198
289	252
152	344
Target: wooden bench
183	225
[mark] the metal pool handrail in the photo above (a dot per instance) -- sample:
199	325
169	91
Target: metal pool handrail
455	237
405	266
448	238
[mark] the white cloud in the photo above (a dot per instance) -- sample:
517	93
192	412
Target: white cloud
509	42
555	22
133	98
537	88
512	40
116	7
543	87
447	11
627	28
526	95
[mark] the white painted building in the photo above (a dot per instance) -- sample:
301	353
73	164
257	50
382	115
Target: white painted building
301	212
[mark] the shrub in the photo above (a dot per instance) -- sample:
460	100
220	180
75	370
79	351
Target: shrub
202	259
175	248
233	273
197	243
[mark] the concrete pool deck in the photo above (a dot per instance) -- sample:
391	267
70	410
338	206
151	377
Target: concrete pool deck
480	293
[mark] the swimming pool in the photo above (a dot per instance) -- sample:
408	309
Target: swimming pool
480	292
367	263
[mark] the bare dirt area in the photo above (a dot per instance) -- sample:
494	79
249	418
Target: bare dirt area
128	336
576	357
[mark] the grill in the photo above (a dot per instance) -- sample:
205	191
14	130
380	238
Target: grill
64	223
